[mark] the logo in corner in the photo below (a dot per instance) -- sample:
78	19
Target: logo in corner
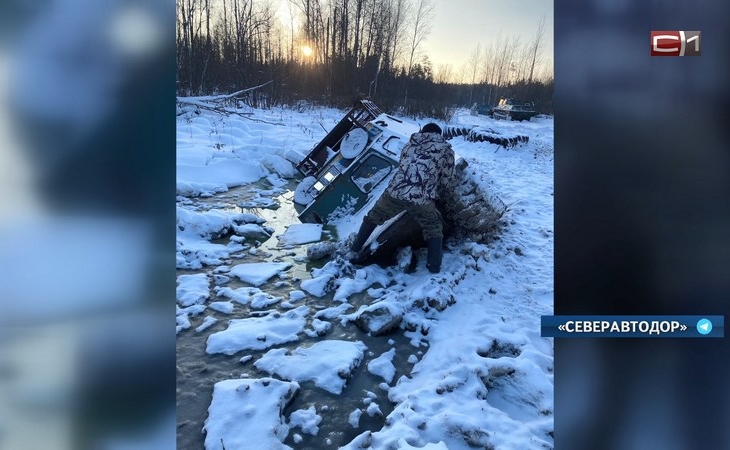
676	43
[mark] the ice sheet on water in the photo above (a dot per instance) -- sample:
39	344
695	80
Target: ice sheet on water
403	445
249	296
182	318
217	170
328	363
354	418
258	273
208	322
301	233
258	333
211	224
306	419
247	413
221	307
194	252
192	289
363	279
318	286
382	366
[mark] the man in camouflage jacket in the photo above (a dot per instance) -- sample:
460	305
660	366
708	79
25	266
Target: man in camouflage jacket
426	167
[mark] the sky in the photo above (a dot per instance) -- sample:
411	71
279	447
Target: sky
459	25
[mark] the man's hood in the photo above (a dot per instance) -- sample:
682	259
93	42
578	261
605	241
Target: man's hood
422	138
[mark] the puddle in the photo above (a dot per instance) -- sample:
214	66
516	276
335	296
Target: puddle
197	371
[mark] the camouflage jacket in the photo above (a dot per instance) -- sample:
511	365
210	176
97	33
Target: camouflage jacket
426	166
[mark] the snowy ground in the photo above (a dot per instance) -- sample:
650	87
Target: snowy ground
259	325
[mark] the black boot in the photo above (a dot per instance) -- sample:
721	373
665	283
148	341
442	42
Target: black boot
366	229
435	254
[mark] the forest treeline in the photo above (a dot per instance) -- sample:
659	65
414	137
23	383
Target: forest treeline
333	52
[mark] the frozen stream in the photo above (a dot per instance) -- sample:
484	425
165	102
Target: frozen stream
198	371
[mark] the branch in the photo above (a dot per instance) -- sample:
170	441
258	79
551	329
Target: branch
194	101
218	98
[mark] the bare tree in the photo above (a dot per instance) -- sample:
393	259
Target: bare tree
472	68
422	23
535	48
444	74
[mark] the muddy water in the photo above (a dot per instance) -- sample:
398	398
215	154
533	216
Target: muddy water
197	371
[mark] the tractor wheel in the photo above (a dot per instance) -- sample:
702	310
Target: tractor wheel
468	207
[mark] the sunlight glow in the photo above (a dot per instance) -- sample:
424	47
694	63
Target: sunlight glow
307	50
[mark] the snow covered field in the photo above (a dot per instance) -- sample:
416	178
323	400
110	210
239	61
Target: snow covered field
269	343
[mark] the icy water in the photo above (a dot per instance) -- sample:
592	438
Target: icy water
197	371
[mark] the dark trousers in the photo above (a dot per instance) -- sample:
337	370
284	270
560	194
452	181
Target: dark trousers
427	216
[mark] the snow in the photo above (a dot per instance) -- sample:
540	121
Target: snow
249	296
258	273
182	318
363	279
319	328
328	363
306	419
221	307
373	409
403	445
192	289
258	333
354	418
382	366
318	286
301	233
247	413
479	376
208	322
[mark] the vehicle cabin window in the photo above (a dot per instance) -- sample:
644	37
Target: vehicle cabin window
371	172
394	144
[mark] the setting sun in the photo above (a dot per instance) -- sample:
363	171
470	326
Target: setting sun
307	50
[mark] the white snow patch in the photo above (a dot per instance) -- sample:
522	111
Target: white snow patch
193	289
354	418
382	366
247	413
208	322
306	419
319	328
318	286
258	273
221	307
249	296
373	410
363	279
258	333
301	233
403	445
328	363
